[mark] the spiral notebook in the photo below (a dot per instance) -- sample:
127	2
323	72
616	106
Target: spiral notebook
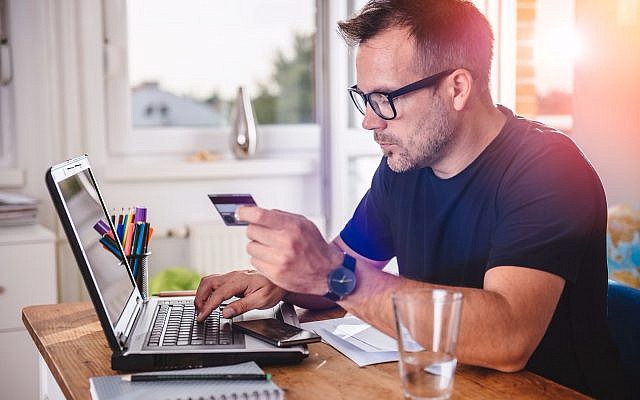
114	388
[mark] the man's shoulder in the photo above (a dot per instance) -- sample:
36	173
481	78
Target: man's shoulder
531	136
536	148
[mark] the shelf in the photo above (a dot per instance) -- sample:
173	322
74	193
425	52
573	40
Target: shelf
222	169
12	235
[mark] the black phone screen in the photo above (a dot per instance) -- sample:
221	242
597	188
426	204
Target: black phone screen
276	332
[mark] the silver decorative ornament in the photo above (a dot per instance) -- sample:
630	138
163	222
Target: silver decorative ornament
244	135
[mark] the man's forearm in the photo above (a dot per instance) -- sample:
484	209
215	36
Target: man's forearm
490	334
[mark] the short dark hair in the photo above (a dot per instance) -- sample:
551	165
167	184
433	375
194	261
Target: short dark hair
448	33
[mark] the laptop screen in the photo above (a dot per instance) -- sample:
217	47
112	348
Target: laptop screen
85	207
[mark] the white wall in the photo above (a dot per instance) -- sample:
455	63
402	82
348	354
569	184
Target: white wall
607	94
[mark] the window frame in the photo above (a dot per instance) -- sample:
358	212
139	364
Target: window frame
125	140
7	142
7	116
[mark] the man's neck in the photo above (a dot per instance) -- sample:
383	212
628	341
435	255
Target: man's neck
475	132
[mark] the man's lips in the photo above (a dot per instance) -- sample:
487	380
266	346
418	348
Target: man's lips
385	146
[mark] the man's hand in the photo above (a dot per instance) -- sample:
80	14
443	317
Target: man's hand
289	250
255	291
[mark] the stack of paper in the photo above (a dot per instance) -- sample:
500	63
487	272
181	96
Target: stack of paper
17	209
356	339
115	388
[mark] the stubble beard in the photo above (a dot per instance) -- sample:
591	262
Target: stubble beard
427	143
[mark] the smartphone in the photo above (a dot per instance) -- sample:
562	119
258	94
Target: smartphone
226	204
276	332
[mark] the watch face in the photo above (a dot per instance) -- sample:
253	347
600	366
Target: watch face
342	281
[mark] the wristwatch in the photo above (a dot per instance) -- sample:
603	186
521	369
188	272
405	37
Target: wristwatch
342	280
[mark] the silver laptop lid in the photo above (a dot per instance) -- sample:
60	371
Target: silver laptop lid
108	279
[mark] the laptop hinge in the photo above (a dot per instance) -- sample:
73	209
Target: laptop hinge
123	337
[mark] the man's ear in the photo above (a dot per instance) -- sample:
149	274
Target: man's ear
462	82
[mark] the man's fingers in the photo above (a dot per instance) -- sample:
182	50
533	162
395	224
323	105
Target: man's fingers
273	219
263	252
261	299
262	234
213	302
218	295
238	307
206	286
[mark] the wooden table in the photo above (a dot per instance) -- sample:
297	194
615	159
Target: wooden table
71	341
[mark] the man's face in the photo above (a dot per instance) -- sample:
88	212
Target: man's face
423	128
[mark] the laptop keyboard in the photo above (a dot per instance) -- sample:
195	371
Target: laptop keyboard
175	325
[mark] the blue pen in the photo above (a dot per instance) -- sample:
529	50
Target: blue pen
111	247
139	243
120	229
139	247
125	221
134	245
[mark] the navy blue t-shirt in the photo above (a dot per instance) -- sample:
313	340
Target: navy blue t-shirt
530	199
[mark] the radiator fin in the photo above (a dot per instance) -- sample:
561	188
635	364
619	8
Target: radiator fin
217	248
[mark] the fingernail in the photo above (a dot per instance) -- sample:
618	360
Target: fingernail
228	312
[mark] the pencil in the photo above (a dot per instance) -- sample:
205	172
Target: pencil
195	377
174	293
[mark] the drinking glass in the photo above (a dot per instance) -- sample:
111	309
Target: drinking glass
427	322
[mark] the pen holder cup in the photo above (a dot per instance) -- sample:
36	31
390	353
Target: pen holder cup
139	264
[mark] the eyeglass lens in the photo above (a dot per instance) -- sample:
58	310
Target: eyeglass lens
379	103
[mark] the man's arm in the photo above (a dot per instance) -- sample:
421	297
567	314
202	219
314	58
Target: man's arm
255	291
314	302
501	324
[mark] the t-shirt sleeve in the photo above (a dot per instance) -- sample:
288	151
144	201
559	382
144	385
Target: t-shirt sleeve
368	231
550	209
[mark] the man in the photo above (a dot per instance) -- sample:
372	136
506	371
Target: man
467	196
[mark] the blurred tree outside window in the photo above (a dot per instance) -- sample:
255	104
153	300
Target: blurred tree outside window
186	61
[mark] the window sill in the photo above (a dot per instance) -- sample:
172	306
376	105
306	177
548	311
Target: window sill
11	178
221	169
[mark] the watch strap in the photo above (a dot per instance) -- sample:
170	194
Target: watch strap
349	263
332	296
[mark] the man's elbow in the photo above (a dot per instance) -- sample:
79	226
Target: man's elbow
514	359
511	365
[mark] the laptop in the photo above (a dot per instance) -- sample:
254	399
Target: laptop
142	334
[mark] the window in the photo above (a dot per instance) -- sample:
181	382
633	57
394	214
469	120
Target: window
173	71
548	47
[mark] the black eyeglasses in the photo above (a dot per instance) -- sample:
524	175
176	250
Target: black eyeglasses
382	103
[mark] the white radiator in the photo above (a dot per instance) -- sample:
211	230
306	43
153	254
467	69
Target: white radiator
217	248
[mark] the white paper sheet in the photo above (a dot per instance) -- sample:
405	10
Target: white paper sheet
359	341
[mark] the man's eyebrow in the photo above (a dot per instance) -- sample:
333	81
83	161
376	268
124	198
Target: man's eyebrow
381	89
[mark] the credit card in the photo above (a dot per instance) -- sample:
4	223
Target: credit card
226	204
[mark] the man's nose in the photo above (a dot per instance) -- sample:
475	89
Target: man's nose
372	120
